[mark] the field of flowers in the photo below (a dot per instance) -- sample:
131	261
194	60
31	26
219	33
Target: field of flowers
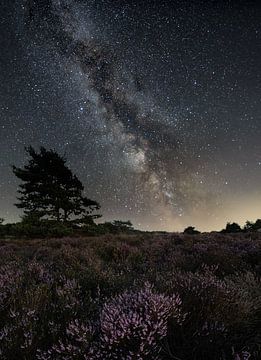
127	297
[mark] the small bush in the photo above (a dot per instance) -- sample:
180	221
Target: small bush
191	231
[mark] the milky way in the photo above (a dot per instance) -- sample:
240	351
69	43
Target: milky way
155	104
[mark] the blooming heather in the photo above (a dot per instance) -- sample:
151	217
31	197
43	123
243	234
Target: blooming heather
131	298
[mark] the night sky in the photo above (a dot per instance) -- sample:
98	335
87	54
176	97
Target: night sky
156	105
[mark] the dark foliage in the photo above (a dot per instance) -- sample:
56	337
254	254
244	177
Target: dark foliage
49	189
191	231
232	228
32	226
253	226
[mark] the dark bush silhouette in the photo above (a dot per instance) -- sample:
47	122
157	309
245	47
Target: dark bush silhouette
190	230
232	228
123	225
116	227
251	226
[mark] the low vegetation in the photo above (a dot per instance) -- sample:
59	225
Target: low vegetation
140	296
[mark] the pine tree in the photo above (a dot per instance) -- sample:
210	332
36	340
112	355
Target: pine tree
49	188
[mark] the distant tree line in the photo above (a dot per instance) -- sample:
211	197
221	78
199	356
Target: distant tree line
249	227
231	228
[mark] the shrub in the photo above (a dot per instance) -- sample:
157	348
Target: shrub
191	231
232	228
134	323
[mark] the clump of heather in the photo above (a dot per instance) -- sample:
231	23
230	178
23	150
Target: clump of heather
134	323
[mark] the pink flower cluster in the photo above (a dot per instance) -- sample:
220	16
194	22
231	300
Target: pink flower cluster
134	323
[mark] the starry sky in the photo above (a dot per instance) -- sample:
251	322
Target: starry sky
155	104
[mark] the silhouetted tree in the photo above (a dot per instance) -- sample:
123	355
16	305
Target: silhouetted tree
50	189
191	230
258	224
251	226
232	228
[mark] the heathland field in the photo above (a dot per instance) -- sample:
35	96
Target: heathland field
143	296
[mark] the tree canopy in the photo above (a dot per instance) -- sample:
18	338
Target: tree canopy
49	188
232	228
